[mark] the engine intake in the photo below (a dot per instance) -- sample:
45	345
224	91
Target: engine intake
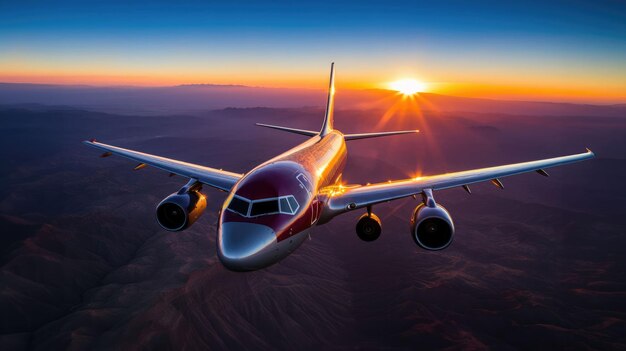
432	227
369	227
180	210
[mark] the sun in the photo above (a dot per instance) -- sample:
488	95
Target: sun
408	86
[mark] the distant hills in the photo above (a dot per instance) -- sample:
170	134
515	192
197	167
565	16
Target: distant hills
205	85
198	98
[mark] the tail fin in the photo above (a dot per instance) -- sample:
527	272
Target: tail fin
327	127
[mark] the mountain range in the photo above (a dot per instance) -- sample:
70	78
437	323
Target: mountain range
197	98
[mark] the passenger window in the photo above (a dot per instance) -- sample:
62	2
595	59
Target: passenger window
304	182
264	207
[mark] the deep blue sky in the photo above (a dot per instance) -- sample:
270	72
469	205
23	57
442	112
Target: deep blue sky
576	47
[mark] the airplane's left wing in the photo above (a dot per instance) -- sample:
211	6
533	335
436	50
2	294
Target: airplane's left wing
216	178
342	200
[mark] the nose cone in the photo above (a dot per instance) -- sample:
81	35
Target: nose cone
245	246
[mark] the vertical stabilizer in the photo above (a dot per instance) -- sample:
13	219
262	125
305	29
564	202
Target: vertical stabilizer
330	104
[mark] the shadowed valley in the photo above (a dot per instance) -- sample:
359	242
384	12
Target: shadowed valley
84	265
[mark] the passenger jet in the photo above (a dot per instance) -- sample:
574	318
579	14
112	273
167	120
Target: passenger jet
270	210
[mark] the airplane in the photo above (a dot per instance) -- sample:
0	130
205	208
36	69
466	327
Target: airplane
270	210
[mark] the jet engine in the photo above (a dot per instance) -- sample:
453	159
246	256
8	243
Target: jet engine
432	227
369	227
180	210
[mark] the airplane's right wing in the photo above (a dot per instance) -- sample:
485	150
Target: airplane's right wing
343	200
216	178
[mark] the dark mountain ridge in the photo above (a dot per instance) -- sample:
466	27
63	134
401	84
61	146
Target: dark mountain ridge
197	98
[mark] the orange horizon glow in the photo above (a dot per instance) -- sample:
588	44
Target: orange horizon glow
607	94
535	56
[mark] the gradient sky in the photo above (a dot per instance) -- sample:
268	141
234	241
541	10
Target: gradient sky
562	51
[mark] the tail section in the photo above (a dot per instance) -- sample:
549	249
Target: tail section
327	127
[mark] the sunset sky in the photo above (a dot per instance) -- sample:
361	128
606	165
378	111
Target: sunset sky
560	51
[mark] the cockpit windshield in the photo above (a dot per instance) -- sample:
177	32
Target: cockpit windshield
239	205
264	207
261	207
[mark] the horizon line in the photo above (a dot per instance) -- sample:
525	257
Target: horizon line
243	86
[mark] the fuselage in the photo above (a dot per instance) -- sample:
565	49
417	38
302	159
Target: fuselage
272	208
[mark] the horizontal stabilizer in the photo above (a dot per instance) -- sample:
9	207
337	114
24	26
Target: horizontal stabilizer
290	130
376	135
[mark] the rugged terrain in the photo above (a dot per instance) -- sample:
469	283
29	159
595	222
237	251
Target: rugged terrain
84	265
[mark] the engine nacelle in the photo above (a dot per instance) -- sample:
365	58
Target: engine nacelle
180	210
432	227
369	227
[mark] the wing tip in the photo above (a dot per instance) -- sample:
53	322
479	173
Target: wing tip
590	152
